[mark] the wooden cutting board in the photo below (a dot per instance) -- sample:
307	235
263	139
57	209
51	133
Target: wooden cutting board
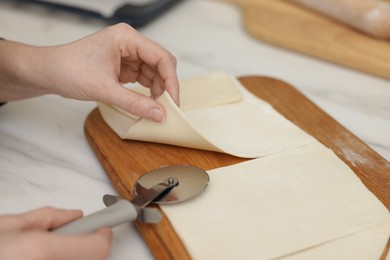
125	161
288	25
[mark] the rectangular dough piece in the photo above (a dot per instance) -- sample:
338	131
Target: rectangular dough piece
276	206
364	245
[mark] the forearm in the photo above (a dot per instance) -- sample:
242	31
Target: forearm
21	71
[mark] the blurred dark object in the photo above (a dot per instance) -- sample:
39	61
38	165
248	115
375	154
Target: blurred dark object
134	14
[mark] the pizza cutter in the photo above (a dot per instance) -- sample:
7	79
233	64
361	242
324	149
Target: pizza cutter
165	185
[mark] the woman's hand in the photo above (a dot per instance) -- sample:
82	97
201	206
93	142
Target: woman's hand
27	236
92	68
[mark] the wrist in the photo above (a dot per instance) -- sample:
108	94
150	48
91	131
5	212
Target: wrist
20	71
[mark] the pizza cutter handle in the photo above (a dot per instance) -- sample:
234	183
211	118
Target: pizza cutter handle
120	212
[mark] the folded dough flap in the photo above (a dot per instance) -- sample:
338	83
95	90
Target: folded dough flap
213	90
217	113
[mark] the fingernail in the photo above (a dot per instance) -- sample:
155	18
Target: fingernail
156	115
178	102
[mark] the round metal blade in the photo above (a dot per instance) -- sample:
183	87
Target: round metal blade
192	181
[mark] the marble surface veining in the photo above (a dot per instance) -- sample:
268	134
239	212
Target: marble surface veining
45	158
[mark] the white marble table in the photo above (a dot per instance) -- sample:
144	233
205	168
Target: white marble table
45	158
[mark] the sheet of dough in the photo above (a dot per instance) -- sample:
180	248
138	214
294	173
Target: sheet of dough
217	113
364	245
277	205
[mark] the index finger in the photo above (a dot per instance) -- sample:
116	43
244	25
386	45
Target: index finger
165	63
41	219
156	56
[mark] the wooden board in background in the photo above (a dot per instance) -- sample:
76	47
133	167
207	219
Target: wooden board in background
125	161
291	26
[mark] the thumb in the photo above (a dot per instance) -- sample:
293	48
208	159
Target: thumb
136	104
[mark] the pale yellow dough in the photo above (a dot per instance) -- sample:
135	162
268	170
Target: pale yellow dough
300	203
366	244
217	113
297	201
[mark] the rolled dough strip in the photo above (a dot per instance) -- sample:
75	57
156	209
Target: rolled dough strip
369	16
